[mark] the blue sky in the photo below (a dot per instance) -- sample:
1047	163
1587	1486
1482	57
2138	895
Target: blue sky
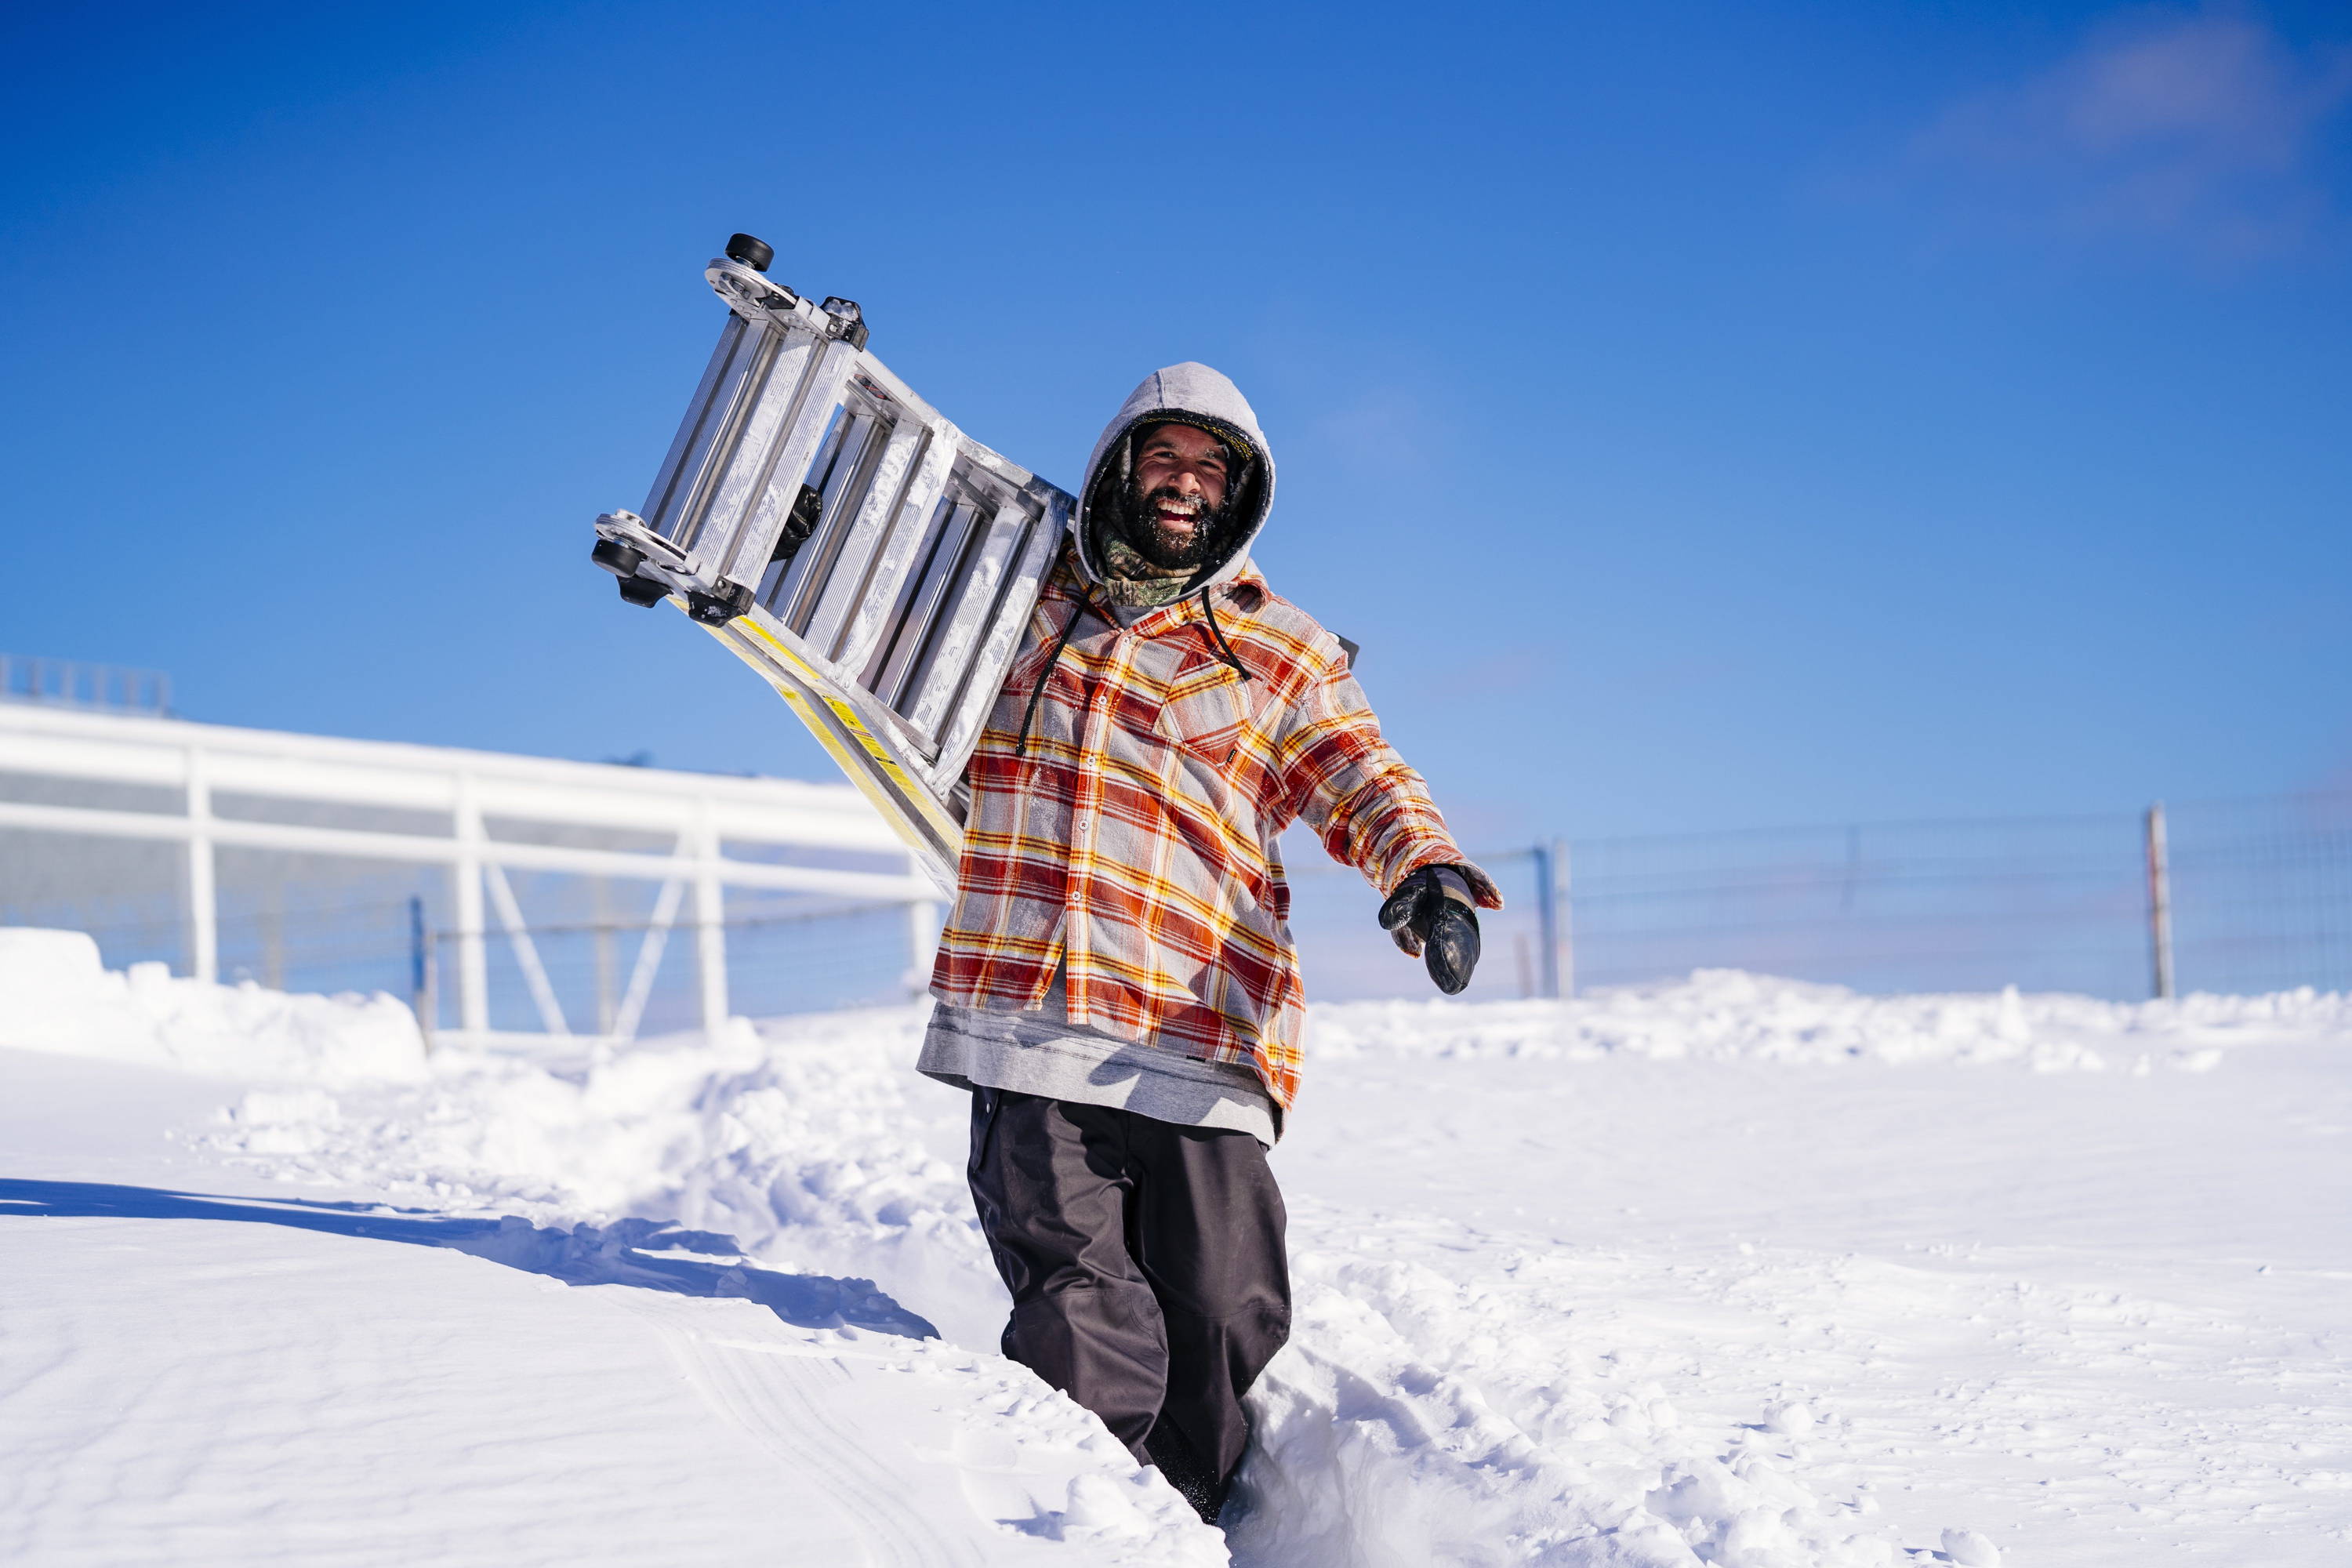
1703	416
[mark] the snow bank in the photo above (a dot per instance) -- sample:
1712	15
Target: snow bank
794	1140
57	995
1723	1014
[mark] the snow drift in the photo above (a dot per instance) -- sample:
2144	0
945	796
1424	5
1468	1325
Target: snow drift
1725	1015
794	1140
57	995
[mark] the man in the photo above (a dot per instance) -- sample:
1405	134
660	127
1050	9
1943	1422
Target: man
1116	983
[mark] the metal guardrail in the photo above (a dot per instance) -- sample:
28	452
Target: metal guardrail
94	687
223	835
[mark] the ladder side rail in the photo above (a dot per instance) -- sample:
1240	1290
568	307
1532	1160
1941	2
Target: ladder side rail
761	444
835	715
841	479
876	615
719	422
951	661
935	602
757	514
1001	643
846	585
691	429
888	678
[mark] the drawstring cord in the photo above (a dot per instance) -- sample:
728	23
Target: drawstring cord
1224	648
1037	692
1069	628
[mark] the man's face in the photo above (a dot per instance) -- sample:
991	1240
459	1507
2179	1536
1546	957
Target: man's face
1180	483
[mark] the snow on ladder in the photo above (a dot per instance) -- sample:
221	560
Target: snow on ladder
890	628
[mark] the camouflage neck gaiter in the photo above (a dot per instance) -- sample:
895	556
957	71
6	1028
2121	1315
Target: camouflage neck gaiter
1129	579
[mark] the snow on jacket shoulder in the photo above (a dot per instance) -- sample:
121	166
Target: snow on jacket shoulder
1134	838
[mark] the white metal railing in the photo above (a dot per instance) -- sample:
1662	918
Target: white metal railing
69	683
700	815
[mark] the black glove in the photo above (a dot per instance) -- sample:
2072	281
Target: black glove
1433	913
799	523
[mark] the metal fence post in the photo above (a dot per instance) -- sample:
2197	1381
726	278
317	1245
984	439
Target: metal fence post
1563	917
2159	902
420	970
1548	919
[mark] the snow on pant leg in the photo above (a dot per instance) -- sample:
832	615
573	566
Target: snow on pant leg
1051	1183
1208	1227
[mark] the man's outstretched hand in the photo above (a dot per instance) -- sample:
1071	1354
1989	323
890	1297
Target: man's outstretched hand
1435	914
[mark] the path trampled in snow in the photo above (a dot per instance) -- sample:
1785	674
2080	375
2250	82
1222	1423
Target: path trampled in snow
1735	1271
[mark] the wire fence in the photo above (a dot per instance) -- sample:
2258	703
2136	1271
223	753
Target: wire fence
2260	899
630	979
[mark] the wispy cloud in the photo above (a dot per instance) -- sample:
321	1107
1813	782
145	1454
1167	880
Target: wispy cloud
2209	130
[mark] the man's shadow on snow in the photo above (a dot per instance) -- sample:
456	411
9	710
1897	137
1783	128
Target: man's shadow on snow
651	1254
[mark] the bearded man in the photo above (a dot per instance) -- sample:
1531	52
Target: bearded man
1115	984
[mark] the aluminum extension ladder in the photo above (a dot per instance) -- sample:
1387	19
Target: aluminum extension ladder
889	630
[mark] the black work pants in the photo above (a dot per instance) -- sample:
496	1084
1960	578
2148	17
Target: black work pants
1147	1269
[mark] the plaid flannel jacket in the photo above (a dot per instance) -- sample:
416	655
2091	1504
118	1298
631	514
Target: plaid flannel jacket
1135	840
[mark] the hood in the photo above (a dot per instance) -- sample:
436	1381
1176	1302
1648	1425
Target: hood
1196	395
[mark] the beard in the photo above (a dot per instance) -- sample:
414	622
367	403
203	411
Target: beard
1169	551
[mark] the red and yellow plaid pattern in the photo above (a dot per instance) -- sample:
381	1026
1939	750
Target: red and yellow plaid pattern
1136	839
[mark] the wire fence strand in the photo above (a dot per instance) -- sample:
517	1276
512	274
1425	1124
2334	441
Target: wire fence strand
2260	898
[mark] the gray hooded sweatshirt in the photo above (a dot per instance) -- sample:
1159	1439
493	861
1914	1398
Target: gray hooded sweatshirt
1185	393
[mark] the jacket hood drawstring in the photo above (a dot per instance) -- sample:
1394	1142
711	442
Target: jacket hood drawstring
1224	648
1069	628
1037	692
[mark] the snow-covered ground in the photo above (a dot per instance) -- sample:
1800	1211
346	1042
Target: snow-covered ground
1735	1271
